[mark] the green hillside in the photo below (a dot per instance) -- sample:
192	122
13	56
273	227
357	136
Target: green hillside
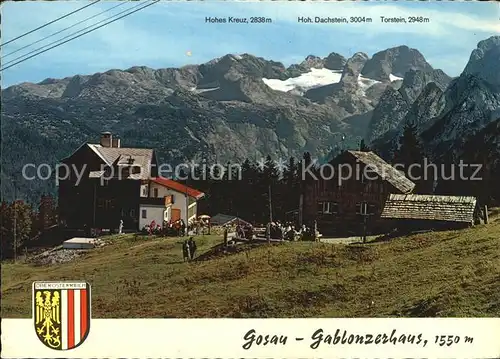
454	273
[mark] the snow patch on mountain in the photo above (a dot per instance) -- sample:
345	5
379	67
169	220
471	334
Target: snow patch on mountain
317	78
309	80
197	91
394	78
365	82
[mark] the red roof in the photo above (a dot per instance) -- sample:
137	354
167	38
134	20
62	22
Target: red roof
178	187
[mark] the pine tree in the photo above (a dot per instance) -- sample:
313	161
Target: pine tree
306	162
269	181
410	158
247	186
23	220
228	189
292	185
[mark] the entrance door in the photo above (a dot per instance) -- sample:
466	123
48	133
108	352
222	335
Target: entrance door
176	214
167	214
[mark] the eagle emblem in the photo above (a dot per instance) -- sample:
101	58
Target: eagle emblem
61	312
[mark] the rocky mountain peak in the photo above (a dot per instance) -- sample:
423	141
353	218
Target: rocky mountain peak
234	67
353	67
416	80
334	61
49	81
241	105
312	61
484	61
396	61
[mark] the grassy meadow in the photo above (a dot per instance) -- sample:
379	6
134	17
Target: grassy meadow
435	274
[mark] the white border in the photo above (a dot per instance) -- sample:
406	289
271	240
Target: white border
224	338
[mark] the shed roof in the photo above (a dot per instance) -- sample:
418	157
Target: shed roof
385	171
430	207
222	219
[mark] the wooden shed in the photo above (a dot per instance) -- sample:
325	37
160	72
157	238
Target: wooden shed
431	210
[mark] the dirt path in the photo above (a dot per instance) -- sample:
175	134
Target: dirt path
346	240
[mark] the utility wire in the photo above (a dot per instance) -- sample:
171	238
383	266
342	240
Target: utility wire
51	22
67	28
13	63
68	36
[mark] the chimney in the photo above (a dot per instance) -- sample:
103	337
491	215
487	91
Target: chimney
115	142
106	139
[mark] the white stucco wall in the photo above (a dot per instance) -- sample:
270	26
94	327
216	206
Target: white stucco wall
179	199
153	213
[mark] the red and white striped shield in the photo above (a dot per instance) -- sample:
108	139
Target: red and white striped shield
61	312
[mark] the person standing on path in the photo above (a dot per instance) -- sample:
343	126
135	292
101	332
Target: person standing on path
186	251
225	236
192	247
316	233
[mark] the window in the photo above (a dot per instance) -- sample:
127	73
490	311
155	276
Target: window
155	191
105	203
320	207
365	208
144	213
359	208
328	207
144	191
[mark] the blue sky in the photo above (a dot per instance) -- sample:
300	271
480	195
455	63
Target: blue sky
164	34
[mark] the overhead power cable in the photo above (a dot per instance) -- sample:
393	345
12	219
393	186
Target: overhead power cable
49	23
67	28
10	64
70	35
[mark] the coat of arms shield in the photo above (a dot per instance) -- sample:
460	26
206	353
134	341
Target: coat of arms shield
61	313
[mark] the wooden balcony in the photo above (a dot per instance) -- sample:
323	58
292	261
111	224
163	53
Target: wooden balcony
152	201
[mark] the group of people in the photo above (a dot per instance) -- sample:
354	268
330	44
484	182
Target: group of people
177	228
288	231
152	228
199	226
171	228
188	249
278	230
244	231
